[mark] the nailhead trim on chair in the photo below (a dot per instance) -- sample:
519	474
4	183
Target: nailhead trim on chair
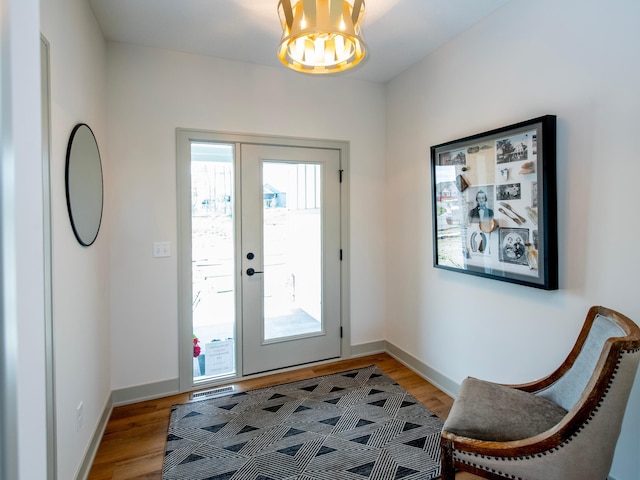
554	449
492	470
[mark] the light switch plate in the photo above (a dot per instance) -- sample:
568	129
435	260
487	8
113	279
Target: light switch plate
161	249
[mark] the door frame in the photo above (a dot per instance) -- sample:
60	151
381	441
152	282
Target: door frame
50	387
184	137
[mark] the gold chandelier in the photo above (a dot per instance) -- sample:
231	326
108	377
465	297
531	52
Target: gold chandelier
321	36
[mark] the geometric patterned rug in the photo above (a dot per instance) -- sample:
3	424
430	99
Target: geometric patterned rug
352	425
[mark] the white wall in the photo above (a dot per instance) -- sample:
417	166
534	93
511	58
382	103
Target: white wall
150	93
21	265
577	60
81	309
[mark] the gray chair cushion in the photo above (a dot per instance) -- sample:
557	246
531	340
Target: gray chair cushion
488	411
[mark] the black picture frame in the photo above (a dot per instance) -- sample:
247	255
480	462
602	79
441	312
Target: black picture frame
495	204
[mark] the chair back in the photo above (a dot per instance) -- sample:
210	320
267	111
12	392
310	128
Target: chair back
595	390
569	388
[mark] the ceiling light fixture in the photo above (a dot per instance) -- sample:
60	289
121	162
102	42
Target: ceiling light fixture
321	36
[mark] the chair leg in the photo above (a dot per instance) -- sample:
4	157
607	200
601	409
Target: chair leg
447	469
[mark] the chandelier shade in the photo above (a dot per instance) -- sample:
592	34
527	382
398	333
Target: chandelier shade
321	36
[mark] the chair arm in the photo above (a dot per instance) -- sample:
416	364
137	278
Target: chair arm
537	385
516	448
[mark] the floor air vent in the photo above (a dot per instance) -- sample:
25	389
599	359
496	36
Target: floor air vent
216	392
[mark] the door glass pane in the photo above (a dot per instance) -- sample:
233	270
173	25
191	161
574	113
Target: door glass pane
292	214
212	235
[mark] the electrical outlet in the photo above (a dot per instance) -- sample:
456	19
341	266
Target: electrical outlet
161	249
79	416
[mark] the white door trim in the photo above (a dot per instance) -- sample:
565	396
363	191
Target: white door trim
52	470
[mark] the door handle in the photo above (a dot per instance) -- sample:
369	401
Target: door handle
251	272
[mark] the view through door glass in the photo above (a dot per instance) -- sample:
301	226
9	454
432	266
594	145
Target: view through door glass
292	250
213	260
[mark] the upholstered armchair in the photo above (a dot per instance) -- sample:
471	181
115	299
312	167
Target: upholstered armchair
562	427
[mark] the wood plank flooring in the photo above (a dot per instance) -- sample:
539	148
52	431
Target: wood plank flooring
132	447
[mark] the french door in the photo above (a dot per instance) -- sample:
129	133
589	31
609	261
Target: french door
260	256
290	256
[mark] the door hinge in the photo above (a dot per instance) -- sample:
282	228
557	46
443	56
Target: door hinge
340	332
340	254
341	171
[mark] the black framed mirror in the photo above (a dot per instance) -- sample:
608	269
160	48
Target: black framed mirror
84	186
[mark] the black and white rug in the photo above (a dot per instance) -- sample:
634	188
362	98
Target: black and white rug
352	425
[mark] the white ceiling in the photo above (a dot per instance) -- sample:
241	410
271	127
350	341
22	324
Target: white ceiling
398	33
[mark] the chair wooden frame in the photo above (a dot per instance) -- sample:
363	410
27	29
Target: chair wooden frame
571	424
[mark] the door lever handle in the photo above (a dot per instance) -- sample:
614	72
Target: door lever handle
251	272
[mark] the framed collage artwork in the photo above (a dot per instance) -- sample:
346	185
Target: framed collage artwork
494	204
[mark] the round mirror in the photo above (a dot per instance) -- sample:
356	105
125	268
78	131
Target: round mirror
84	184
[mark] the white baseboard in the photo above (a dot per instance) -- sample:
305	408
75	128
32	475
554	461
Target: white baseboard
169	387
370	348
149	391
431	375
166	388
90	455
122	397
